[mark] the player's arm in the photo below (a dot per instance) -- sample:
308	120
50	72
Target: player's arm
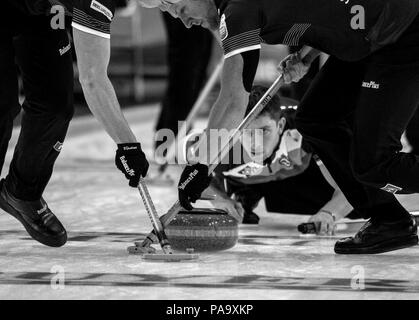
91	31
338	205
93	55
222	200
230	107
337	208
334	210
226	114
240	36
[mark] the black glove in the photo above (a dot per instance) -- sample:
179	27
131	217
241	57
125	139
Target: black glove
131	160
193	181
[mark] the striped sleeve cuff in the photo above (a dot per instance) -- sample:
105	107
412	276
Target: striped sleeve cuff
293	36
86	23
243	42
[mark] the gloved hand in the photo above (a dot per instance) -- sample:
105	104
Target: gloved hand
324	222
131	161
193	181
294	68
232	207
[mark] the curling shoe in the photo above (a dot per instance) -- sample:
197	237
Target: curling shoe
378	236
38	220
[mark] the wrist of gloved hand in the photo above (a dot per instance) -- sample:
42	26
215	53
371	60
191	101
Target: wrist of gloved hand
193	182
131	161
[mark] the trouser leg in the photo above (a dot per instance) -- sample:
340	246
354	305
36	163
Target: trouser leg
326	120
47	74
9	104
381	118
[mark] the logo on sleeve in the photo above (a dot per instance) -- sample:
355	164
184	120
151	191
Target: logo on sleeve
97	6
370	85
58	146
223	28
392	188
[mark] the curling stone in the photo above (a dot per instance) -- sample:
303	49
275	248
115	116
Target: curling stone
203	230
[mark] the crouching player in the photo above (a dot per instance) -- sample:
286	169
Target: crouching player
282	170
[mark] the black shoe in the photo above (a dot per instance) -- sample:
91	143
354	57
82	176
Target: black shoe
250	218
378	237
38	220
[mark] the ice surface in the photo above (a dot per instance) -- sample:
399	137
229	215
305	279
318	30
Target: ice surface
103	217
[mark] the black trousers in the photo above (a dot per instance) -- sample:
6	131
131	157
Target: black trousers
46	69
189	52
353	116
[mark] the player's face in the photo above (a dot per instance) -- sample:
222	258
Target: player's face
194	12
262	137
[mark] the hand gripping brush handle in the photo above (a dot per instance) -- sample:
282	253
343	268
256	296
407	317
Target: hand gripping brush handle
233	138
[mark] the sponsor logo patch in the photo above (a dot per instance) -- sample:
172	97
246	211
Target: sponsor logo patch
58	146
370	85
223	28
285	161
130	148
192	175
44	208
245	171
97	6
64	50
131	172
391	188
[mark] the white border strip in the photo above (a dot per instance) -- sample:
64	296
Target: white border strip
91	31
235	52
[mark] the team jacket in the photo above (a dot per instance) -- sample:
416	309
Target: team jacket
91	16
335	27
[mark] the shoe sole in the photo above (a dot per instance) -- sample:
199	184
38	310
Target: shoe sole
58	242
382	247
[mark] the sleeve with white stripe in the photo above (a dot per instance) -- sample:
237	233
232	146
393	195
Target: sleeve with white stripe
240	28
94	16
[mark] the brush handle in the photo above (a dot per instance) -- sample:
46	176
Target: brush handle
152	213
308	55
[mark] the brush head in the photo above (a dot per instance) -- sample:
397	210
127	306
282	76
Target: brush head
174	257
141	250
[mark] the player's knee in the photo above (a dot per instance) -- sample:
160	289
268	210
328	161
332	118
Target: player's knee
10	110
66	110
59	105
367	174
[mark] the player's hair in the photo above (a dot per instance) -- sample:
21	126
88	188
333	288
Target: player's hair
273	109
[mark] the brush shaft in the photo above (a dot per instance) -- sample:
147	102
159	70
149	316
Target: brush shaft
152	213
262	103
